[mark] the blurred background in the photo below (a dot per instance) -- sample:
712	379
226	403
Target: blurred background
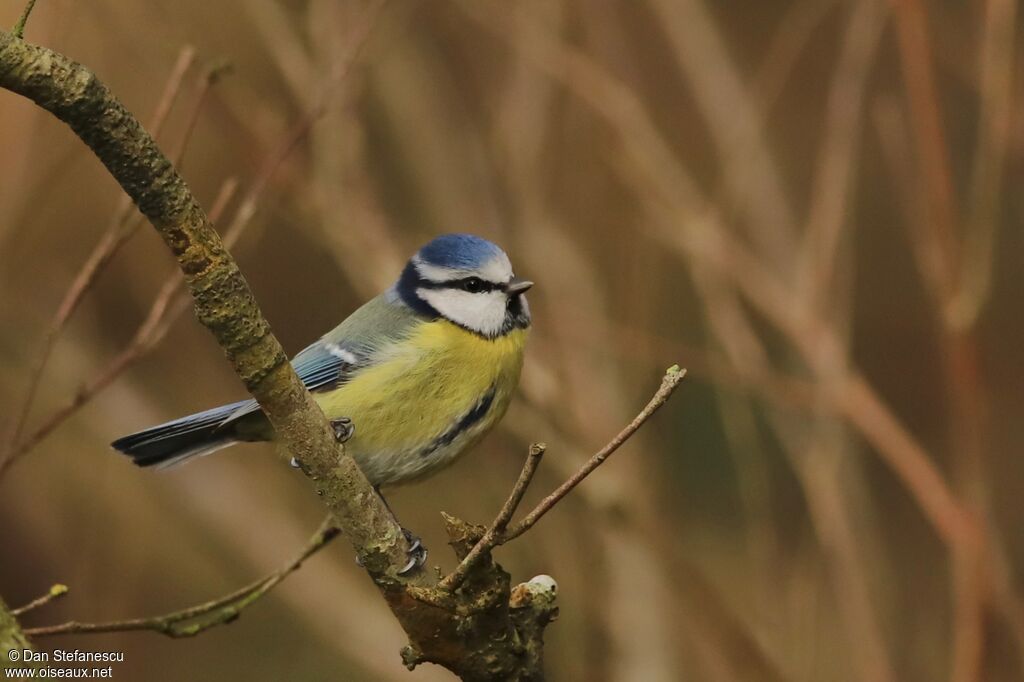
812	205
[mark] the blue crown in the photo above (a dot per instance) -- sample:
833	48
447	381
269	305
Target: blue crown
464	251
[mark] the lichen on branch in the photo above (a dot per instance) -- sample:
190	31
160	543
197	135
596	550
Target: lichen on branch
11	636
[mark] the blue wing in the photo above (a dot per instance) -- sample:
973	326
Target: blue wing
321	366
325	365
350	347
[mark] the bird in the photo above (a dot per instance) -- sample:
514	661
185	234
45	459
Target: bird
410	381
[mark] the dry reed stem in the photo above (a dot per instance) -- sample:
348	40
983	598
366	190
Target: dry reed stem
928	134
704	240
958	295
734	120
838	154
811	337
996	78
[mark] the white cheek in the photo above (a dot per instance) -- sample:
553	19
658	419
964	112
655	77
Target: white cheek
482	312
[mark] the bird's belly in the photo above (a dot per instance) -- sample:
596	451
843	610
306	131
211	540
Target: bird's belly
434	397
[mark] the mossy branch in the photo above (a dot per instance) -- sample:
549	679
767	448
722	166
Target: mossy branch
11	636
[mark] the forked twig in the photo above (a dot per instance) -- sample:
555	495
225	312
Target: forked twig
669	383
499	533
495	533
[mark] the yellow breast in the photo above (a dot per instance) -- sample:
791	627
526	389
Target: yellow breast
427	400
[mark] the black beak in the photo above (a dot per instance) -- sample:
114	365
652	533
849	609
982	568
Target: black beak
518	286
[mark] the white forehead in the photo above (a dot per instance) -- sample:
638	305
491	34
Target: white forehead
497	270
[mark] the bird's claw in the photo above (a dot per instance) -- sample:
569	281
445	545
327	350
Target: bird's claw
417	553
344	429
296	463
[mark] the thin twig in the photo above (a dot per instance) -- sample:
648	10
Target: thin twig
113	238
150	332
190	622
298	132
499	533
55	592
497	530
211	76
669	383
19	28
163	312
158	321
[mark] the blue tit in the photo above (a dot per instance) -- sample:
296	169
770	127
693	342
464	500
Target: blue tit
423	370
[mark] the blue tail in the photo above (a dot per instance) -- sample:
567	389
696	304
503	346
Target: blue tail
192	436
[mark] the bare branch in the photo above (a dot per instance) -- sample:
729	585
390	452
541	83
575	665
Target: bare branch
499	534
113	238
149	334
669	383
193	620
211	76
55	592
496	532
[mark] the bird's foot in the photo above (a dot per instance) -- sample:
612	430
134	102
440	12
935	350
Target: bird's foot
417	553
344	429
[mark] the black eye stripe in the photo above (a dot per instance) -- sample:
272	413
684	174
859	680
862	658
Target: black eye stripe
463	284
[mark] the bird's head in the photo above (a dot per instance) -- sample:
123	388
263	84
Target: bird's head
468	281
